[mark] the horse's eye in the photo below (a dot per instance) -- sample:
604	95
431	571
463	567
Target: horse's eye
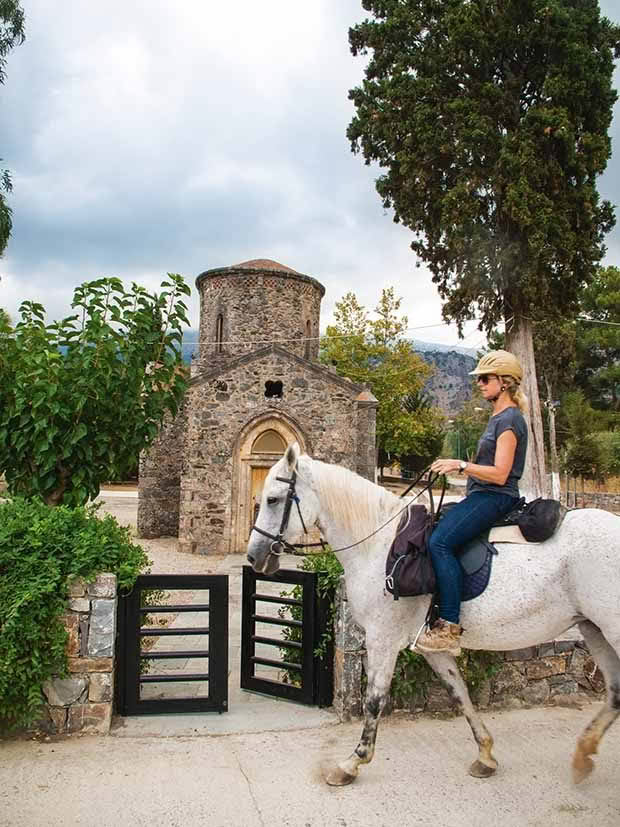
272	500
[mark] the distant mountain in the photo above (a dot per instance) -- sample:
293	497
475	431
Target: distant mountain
434	347
450	386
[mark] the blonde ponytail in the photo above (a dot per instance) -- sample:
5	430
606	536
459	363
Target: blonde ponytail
516	394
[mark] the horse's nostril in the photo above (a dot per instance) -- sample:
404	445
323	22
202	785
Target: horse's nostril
250	558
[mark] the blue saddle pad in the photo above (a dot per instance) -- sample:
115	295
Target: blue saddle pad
476	559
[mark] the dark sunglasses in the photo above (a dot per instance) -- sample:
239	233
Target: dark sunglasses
485	378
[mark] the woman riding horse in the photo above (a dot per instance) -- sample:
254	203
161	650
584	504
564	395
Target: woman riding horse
492	491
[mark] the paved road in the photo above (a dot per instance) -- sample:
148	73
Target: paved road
274	779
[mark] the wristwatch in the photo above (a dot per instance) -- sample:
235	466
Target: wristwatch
462	466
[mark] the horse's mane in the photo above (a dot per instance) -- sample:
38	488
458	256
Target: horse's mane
359	505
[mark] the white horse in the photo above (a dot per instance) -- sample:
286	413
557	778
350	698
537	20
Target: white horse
536	592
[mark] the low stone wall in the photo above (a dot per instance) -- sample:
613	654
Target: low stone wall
84	699
560	672
594	499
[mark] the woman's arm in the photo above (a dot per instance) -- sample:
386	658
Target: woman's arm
497	473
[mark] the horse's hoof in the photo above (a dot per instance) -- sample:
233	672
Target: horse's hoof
480	770
339	778
582	767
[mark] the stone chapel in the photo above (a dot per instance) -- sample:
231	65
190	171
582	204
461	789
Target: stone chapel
256	386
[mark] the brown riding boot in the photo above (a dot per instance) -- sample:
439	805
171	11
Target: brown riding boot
443	637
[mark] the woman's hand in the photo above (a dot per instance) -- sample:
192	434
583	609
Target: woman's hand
445	466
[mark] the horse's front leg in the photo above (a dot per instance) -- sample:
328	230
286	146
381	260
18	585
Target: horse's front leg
381	662
446	668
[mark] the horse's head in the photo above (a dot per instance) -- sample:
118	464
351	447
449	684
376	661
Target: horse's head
288	507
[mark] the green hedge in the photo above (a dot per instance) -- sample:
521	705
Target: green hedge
40	549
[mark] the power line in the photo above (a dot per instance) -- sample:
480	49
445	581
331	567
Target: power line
302	339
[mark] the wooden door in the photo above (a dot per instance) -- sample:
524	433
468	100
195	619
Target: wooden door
259	475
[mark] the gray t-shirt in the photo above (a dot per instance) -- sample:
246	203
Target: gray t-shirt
510	419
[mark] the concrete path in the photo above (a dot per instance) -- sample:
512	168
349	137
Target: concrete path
275	779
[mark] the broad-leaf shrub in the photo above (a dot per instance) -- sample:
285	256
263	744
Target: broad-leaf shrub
40	549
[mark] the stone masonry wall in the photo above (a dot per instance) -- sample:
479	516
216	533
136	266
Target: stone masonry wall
316	402
84	699
595	499
257	305
557	672
160	481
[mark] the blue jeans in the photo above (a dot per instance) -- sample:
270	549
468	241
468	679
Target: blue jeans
461	523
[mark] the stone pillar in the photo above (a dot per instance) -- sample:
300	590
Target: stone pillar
84	699
366	461
159	486
349	652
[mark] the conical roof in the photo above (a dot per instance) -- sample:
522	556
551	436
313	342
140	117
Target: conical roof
264	264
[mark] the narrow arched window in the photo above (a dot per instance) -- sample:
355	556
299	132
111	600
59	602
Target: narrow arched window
219	333
308	335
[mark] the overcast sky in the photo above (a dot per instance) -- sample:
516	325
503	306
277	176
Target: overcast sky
148	137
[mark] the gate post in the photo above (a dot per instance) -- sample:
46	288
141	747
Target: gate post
349	653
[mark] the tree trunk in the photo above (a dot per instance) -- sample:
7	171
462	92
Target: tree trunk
553	448
519	341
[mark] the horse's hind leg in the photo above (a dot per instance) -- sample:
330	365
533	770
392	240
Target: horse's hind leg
446	668
608	661
381	662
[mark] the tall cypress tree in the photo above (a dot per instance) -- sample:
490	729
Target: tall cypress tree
490	120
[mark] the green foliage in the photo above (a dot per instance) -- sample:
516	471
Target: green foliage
413	676
583	458
608	445
576	417
40	549
466	428
599	344
583	454
11	34
490	121
329	570
374	352
80	398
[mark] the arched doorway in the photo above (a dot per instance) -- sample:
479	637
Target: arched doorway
266	446
260	445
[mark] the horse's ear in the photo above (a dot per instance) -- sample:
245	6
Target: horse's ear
292	455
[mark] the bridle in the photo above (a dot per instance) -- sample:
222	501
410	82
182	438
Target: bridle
280	545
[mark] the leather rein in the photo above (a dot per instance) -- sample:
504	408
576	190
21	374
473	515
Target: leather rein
280	545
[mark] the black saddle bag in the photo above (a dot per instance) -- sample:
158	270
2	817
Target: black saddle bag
540	519
408	567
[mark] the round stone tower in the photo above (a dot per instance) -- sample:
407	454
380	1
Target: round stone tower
256	302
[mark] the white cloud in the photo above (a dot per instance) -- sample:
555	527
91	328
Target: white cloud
148	137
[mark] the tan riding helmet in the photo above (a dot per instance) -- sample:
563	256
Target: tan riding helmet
501	363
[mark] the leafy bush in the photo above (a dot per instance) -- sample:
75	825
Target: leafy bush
40	549
81	397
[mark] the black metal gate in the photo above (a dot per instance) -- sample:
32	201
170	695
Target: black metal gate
301	621
143	648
